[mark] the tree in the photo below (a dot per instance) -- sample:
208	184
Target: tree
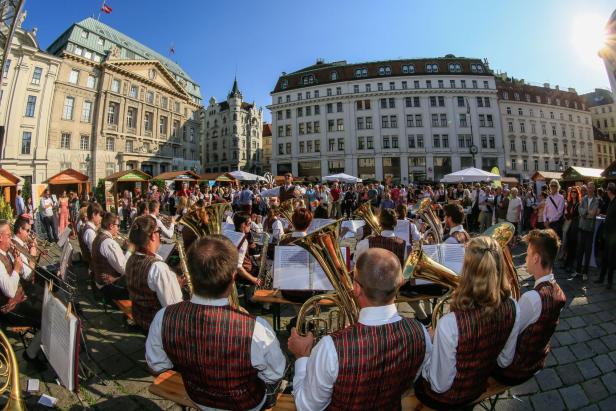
6	212
99	192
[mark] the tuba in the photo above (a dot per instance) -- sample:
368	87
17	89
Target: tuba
366	213
264	274
9	369
287	208
424	211
324	246
193	219
503	233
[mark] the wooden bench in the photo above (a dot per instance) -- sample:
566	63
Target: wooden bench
126	306
169	385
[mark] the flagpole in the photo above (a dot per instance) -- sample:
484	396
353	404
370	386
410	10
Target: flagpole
99	10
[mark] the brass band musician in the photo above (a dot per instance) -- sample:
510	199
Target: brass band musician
454	215
387	239
108	262
154	209
22	229
87	232
245	267
151	283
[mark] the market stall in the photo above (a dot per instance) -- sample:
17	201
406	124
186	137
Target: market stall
610	172
128	180
470	175
342	178
68	180
8	186
581	175
178	178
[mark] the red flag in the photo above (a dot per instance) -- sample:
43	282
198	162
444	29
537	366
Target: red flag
106	9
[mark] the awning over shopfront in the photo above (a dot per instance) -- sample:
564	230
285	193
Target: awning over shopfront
581	174
8	186
546	175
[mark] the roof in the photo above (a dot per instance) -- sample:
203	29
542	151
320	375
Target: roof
7	178
574	173
186	175
322	72
610	171
224	105
529	93
127	44
546	175
599	135
599	97
129	175
235	91
267	130
68	176
214	176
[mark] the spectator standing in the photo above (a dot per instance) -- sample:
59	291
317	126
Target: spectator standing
608	263
46	205
589	209
514	209
20	205
554	210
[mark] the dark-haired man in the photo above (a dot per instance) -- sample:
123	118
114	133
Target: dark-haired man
454	215
154	209
284	192
87	232
539	310
245	267
151	283
387	239
226	357
108	261
370	364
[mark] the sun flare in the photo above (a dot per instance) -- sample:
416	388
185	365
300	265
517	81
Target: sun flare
588	35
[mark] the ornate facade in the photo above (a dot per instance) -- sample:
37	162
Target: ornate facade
603	112
232	138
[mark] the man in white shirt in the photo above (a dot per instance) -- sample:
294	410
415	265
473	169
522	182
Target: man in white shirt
154	207
22	229
454	215
371	363
228	359
242	224
108	260
539	310
87	232
285	192
387	239
151	283
514	211
47	216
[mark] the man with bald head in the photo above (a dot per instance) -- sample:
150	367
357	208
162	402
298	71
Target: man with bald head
370	364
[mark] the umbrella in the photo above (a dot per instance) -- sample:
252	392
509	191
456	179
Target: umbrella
469	175
244	176
343	178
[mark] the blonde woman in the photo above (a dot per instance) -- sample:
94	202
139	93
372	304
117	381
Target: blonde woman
478	334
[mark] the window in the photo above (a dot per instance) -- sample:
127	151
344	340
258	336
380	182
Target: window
443	118
512	145
339	107
301	128
434	120
545	147
392	85
555	147
147	122
110	144
392	103
383	103
510	126
455	68
463	122
416	84
299	96
360	123
492	141
452	83
74	77
386	142
368	88
360	143
330	108
67	111
164	101
404	85
474	83
26	142
524	150
384	121
91	82
112	113
513	164
460	101
301	146
428	83
162	129
411	141
149	97
134	92
368	123
409	120
338	91
369	143
65	141
300	111
356	88
522	127
535	150
440	84
479	102
308	146
115	86
30	106
340	124
281	149
486	84
408	69
129	148
431	68
393	121
441	101
330	125
418	120
432	101
486	101
5	71
131	117
317	110
484	141
86	111
463	83
331	144
536	164
436	141
445	140
333	76
317	146
36	75
84	143
317	126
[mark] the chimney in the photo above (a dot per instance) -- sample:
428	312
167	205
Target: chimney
320	61
571	90
546	85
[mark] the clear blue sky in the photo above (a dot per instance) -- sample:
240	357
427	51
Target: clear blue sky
540	41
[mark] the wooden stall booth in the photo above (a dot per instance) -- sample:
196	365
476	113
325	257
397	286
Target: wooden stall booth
220	179
542	178
610	172
8	187
68	180
128	180
179	178
580	175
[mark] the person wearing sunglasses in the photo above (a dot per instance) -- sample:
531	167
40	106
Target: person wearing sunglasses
22	229
108	261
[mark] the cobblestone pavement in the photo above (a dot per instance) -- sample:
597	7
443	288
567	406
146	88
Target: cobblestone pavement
580	371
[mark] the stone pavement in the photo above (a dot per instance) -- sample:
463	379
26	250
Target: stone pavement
580	372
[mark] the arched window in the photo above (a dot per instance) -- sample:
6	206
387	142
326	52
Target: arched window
432	68
285	84
408	69
333	76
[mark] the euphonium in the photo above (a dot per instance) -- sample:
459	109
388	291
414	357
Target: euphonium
265	276
10	370
423	210
324	246
216	216
365	212
503	233
287	208
184	265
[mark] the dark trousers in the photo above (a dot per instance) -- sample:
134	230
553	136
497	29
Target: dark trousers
116	290
572	242
605	265
49	225
584	250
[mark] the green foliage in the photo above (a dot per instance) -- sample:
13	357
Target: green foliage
159	183
26	191
99	192
6	212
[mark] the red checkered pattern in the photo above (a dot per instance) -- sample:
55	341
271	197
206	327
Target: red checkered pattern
377	364
480	341
534	342
8	304
145	301
210	347
104	273
393	244
85	251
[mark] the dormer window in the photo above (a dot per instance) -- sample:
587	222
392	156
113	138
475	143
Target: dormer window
476	68
333	76
408	69
384	70
455	68
309	79
285	84
361	72
431	68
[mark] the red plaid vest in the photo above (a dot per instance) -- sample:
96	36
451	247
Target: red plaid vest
376	364
393	244
104	273
8	304
480	341
85	251
533	343
210	346
145	301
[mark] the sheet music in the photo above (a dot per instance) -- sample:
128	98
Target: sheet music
291	268
402	230
228	226
164	251
59	339
285	223
318	223
234	236
319	279
65	259
452	256
63	237
432	251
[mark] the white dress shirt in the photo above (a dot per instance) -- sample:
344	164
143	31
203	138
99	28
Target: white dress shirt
47	206
111	250
167	232
265	353
241	252
163	282
364	244
440	369
315	376
9	282
26	271
89	235
277	230
275	192
530	304
451	239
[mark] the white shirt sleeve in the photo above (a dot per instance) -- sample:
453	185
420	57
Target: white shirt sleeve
277	230
505	358
315	376
242	253
88	238
155	354
164	283
168	232
440	369
428	353
451	240
415	234
530	309
113	253
272	192
265	353
26	271
9	282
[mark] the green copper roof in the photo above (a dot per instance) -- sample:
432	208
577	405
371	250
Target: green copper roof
130	48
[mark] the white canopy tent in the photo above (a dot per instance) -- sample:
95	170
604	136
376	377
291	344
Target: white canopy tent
470	175
244	176
343	178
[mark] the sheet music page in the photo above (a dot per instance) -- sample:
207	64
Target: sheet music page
453	256
65	259
165	250
403	230
59	339
318	223
319	278
291	268
234	236
63	237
